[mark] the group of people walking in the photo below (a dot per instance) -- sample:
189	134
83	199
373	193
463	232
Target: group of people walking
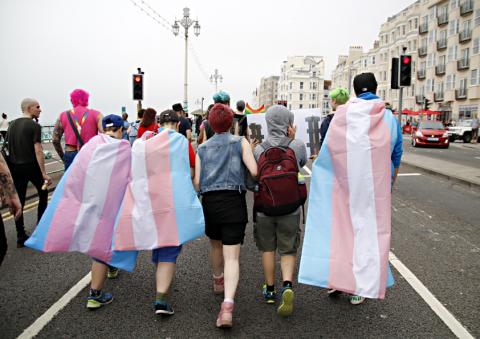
226	164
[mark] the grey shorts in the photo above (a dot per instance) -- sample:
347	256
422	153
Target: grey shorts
282	233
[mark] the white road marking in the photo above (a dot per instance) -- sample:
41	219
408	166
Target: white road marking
46	317
408	174
453	324
477	158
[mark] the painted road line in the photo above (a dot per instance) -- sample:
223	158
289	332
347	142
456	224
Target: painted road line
7	215
453	324
477	158
46	317
408	174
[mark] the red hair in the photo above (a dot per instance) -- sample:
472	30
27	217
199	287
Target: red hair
79	97
220	118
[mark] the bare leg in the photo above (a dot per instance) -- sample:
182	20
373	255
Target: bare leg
164	276
99	275
231	255
216	257
287	262
268	260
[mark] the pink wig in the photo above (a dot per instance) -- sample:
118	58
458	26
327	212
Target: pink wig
79	97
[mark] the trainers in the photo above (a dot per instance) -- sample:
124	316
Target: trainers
112	273
333	293
96	302
21	240
163	308
356	299
218	285
225	317
286	307
269	296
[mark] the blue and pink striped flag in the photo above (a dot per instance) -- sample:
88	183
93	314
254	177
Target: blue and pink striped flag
82	213
161	207
347	235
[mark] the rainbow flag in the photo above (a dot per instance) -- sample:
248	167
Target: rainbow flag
161	207
82	213
347	234
250	110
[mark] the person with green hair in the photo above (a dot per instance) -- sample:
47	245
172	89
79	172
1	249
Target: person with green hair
221	98
338	96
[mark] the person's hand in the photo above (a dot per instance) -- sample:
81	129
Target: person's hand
47	179
15	206
254	143
292	130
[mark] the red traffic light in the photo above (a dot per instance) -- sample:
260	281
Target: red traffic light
406	60
137	78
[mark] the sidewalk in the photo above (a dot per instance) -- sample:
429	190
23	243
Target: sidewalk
466	175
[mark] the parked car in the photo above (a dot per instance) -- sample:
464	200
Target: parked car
430	133
462	130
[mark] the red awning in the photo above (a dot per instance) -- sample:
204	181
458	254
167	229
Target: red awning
429	112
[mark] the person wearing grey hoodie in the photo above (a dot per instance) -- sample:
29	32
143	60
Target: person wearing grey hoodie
280	233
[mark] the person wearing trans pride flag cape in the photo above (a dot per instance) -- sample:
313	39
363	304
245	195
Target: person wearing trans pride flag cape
347	234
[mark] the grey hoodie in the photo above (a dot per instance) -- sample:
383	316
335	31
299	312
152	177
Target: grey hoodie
278	119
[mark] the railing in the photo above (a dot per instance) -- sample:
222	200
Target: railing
442	19
47	133
465	35
423	28
419	99
463	64
466	7
421	74
441	44
440	69
438	96
461	93
422	51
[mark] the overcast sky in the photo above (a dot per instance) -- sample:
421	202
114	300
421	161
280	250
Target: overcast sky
50	47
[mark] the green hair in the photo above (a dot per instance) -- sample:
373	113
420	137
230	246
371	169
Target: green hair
340	95
221	97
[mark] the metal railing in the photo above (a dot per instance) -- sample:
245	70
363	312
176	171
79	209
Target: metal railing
442	19
423	28
441	44
465	35
422	51
438	96
440	69
463	64
421	74
461	93
466	7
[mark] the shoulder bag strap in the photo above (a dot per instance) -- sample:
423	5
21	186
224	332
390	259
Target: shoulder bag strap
75	130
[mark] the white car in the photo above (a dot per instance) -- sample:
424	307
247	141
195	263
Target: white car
463	131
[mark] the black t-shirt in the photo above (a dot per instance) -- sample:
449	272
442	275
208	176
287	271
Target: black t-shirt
184	126
22	134
239	125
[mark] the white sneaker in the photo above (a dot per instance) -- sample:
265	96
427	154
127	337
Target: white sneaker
356	299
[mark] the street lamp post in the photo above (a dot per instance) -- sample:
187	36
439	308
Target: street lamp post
186	22
216	77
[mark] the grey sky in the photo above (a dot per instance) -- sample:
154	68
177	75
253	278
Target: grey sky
50	47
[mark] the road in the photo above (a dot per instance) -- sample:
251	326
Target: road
435	234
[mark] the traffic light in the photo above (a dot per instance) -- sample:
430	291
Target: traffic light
426	103
405	70
138	87
394	75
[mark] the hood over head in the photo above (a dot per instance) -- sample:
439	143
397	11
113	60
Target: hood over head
278	119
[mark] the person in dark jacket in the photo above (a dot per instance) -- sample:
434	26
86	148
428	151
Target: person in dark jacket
338	96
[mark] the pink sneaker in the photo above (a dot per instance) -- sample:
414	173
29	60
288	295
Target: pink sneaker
224	319
218	285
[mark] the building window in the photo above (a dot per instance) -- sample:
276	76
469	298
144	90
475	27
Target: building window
452	53
314	85
474	81
477	17
416	23
301	96
314	74
432	35
300	106
301	84
453	3
476	45
290	86
450	82
467	112
314	97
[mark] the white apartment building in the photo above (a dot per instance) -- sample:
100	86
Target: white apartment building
302	82
443	37
267	93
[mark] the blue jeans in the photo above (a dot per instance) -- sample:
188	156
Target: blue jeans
68	157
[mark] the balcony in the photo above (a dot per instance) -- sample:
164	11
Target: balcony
466	7
421	74
442	19
463	64
422	51
438	96
440	69
465	36
461	94
423	28
420	99
441	44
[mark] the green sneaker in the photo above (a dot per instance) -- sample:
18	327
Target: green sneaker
112	273
94	303
286	307
269	296
356	299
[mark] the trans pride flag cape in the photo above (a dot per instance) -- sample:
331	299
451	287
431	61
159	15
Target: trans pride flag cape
160	207
85	204
347	235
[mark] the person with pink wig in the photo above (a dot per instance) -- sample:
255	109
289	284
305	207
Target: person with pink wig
78	124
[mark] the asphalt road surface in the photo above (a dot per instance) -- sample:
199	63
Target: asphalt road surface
435	234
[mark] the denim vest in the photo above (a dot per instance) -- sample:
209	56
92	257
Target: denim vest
222	165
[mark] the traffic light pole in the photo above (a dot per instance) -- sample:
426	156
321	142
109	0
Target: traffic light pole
400	102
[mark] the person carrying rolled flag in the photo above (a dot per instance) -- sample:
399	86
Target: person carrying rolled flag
347	235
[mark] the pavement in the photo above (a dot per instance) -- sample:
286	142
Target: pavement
454	171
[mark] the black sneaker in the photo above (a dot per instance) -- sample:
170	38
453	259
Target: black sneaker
163	308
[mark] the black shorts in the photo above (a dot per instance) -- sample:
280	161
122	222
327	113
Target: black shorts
225	216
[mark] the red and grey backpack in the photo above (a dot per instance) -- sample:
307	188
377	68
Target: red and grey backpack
279	192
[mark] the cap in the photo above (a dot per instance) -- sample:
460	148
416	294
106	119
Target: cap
112	120
177	107
365	82
168	116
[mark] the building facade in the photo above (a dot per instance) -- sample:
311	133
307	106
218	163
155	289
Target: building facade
443	38
268	91
301	82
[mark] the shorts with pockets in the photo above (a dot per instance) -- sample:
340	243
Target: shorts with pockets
280	233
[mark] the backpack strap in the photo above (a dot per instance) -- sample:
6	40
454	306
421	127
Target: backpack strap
75	130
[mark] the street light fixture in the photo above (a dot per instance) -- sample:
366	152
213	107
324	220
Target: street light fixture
186	22
216	77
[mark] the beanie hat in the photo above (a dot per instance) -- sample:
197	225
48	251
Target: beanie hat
220	118
340	95
221	97
365	82
79	97
177	107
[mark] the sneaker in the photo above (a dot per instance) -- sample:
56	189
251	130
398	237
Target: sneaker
333	293
21	240
163	308
286	307
356	299
269	296
112	273
225	317
218	285
94	303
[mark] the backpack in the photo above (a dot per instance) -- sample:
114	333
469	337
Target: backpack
279	192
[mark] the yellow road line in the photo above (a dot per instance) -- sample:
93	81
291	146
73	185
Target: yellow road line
7	216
